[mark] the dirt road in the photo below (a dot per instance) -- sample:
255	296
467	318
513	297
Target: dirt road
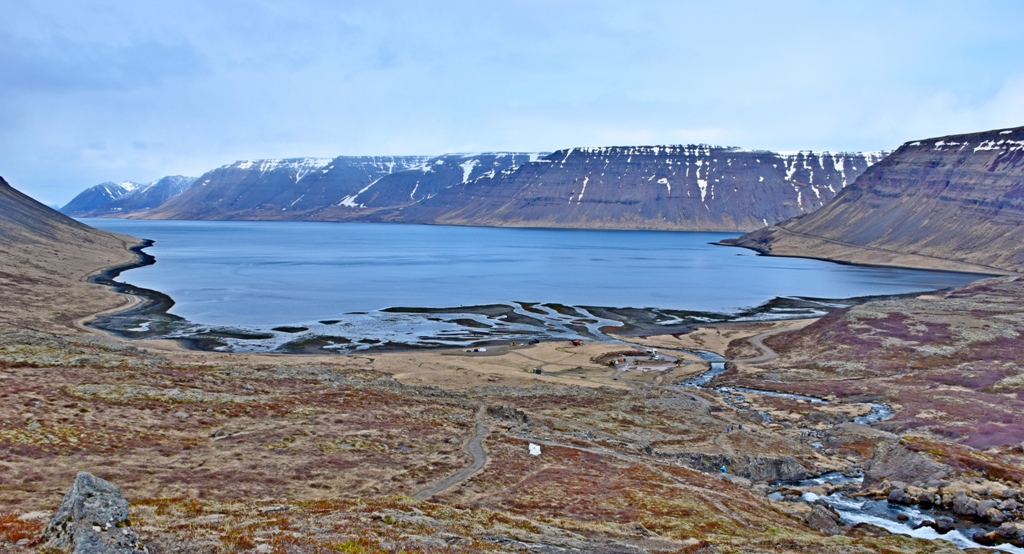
476	451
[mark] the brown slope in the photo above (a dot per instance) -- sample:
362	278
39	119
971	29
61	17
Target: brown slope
954	202
45	258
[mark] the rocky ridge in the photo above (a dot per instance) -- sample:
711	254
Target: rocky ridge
695	187
324	189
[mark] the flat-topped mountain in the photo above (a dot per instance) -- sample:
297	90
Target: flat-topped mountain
954	202
696	187
127	197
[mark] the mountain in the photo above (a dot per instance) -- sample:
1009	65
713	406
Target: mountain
326	189
723	189
44	259
953	202
695	187
96	199
125	197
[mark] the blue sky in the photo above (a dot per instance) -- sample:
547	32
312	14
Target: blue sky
95	91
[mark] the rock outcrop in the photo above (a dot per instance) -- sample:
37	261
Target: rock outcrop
508	413
754	468
954	202
92	519
895	462
824	518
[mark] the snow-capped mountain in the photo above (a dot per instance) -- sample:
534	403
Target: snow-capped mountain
308	188
109	198
955	202
694	187
98	197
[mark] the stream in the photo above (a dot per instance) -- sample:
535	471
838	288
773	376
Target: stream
851	510
734	395
885	515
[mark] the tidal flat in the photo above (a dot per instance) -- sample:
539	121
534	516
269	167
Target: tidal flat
244	286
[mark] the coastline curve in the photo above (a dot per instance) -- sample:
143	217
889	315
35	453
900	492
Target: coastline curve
142	301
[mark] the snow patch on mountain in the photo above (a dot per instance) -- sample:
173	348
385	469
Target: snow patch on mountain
301	166
467	169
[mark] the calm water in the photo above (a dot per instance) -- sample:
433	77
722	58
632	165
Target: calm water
278	273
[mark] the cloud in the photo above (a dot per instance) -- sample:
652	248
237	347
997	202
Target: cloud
944	112
108	90
61	65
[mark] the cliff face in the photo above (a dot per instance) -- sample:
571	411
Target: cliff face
650	187
679	187
954	202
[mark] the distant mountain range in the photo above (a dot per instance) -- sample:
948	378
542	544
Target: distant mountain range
126	197
696	187
953	202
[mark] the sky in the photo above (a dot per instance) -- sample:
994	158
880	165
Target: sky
92	91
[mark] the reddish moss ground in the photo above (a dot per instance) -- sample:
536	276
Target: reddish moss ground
318	457
949	363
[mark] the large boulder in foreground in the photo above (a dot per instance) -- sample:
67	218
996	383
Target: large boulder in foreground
92	519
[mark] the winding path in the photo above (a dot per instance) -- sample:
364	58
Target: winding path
476	450
757	341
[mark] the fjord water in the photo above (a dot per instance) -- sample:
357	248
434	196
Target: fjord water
279	273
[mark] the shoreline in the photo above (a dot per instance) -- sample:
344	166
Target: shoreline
141	301
153	304
996	272
151	300
993	271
